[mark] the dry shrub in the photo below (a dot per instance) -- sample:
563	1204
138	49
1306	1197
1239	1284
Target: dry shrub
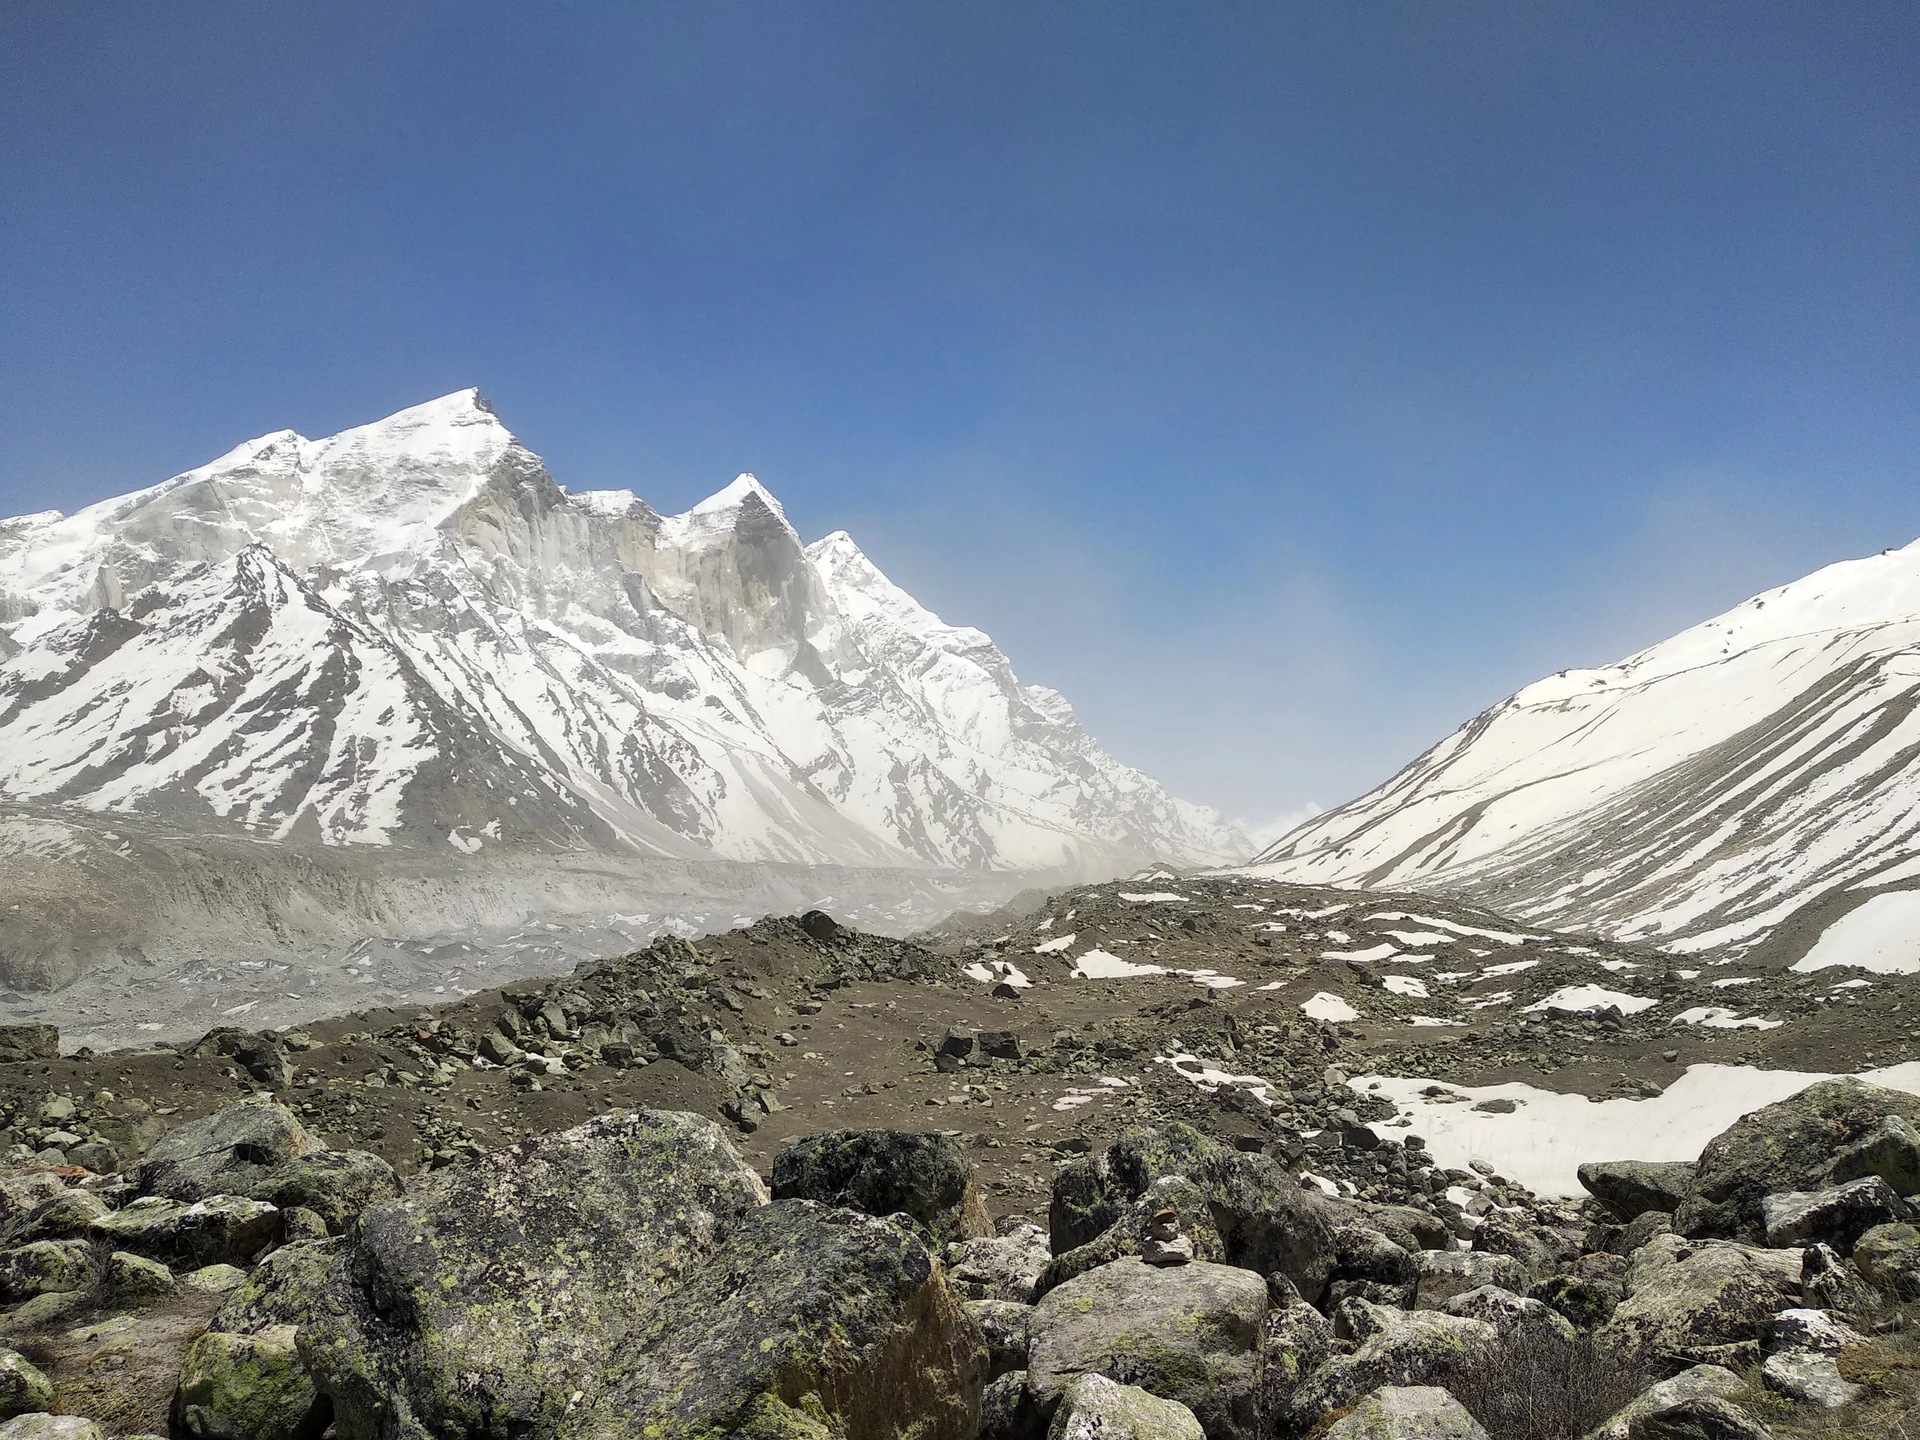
1539	1388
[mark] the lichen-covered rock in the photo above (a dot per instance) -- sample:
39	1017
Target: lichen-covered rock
24	1191
1811	1377
1000	1267
1586	1303
1789	1145
1889	1257
29	1042
1518	1319
487	1296
1699	1382
337	1185
227	1153
1890	1150
1702	1297
41	1426
1128	1233
1631	1188
43	1267
248	1387
1705	1418
1008	1411
799	1300
1096	1408
1829	1283
1089	1195
1408	1412
23	1388
131	1276
887	1172
1838	1216
1295	1340
1368	1265
66	1215
1444	1274
1189	1333
1394	1348
220	1230
1003	1325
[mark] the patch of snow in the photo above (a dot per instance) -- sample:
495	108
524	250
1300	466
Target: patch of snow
1581	998
1881	936
1055	945
1328	1006
1714	1017
1377	952
1150	898
1406	985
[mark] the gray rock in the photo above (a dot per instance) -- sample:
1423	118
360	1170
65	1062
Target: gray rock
1295	1340
134	1276
94	1155
1129	1233
1789	1145
28	1042
1089	1195
1889	1257
1000	1267
1684	1300
1802	1328
51	1427
1004	1324
1394	1348
1699	1382
337	1185
1890	1150
1096	1408
247	1387
1631	1188
1829	1283
1444	1274
45	1267
1189	1333
23	1192
1517	1318
1809	1376
1836	1217
1706	1418
887	1172
222	1230
226	1153
23	1388
67	1215
1369	1266
1408	1412
1008	1412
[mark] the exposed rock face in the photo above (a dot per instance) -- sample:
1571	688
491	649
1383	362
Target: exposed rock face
28	1042
1003	1267
1408	1412
229	1153
887	1172
1189	1333
1836	1217
1630	1188
1789	1145
1684	1301
1095	1408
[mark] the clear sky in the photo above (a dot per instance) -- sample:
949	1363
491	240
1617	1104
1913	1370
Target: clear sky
1281	382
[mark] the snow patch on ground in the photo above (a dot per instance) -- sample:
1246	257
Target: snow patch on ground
1882	936
1328	1006
1582	998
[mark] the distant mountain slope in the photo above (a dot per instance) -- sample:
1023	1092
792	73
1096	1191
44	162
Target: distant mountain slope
1757	775
409	635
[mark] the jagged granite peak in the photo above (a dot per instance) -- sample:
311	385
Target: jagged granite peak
409	634
1755	776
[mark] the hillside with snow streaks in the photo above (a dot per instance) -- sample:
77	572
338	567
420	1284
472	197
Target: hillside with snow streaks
1755	776
409	635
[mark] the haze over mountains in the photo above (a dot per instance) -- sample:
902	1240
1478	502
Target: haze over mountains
1755	777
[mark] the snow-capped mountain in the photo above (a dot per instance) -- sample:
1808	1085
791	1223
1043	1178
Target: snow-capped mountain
408	635
1757	775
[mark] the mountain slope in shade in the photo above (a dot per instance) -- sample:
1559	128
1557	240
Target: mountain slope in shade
409	635
1755	776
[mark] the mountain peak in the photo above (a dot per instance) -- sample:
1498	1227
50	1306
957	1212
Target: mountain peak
738	492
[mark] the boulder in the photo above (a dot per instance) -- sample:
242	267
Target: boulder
1407	1412
844	1311
1295	1340
1704	1418
133	1276
67	1215
1268	1223
1518	1319
999	1267
45	1267
445	1303
23	1388
1189	1333
1811	1377
1446	1273
1370	1266
1003	1325
1631	1188
1128	1235
1789	1145
887	1172
24	1191
1089	1194
1699	1382
51	1427
1698	1299
1394	1348
1093	1407
1829	1283
1007	1411
248	1387
1836	1217
19	1043
1585	1303
337	1185
1805	1329
221	1230
1540	1249
1889	1257
230	1152
1890	1150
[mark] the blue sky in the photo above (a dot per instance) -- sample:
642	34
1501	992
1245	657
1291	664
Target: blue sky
1282	383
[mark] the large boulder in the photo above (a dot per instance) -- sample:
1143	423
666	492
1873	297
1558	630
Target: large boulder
1004	1325
41	1426
44	1267
1890	1150
1189	1333
337	1185
226	1153
1096	1408
1519	1319
1668	1397
1000	1267
1392	1348
1889	1257
801	1302
1128	1235
1836	1217
23	1387
1631	1188
1408	1412
1789	1145
1295	1341
221	1230
243	1376
486	1296
1689	1303
887	1172
1444	1274
1089	1194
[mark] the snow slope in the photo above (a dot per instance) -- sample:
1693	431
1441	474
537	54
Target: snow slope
1757	775
408	635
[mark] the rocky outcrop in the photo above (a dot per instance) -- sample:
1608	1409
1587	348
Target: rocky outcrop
1096	1408
887	1172
1391	1348
1688	1303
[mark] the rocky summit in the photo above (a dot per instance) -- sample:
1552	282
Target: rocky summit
1139	1158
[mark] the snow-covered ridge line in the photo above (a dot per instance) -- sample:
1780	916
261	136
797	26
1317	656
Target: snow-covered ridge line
409	634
